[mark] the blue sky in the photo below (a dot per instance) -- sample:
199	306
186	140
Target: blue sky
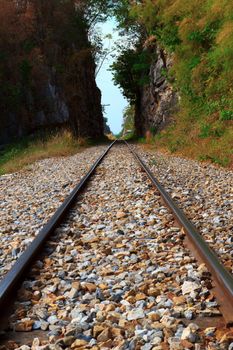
111	94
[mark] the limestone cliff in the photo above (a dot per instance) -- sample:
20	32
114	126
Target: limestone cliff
156	101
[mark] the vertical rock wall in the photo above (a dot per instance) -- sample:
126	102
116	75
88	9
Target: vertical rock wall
47	75
84	99
49	105
156	101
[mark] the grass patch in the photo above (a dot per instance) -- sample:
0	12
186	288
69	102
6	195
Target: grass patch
211	141
20	154
226	115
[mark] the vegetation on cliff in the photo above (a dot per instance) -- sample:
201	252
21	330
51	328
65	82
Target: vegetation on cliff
199	36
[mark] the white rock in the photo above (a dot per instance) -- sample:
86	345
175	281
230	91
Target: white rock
189	332
189	287
135	314
167	320
52	319
156	341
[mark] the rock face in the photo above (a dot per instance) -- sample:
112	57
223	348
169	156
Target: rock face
157	100
48	106
84	99
51	82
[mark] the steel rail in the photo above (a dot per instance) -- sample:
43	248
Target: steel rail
222	278
10	282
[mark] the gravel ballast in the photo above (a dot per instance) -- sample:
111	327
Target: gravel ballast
116	275
204	192
30	197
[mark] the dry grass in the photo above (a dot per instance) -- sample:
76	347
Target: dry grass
184	140
17	156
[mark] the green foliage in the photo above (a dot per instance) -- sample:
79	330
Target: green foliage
175	145
205	130
141	140
168	36
96	11
226	115
127	25
153	130
214	159
129	136
146	14
200	36
130	71
12	151
205	36
214	130
128	119
193	62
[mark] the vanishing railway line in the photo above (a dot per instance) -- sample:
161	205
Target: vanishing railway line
111	269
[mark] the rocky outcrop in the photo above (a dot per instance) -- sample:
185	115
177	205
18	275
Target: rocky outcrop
47	72
156	101
50	106
84	99
45	108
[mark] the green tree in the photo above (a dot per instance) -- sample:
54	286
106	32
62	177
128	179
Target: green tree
128	119
130	71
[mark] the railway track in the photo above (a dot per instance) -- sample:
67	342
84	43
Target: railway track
204	193
112	270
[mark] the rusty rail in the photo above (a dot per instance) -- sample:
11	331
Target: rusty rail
223	280
10	282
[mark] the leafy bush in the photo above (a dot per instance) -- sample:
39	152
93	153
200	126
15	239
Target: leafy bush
153	130
200	35
214	159
226	115
168	36
130	71
205	131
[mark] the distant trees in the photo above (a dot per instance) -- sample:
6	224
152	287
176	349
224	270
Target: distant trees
128	120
